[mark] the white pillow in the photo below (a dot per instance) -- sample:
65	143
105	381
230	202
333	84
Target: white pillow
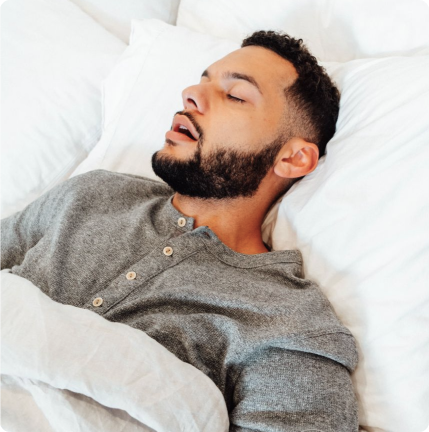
116	16
143	92
333	30
382	127
361	222
54	57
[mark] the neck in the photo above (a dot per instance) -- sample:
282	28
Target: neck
236	222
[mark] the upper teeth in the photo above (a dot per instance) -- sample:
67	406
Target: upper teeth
183	127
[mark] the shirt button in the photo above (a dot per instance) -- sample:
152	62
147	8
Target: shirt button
131	275
97	302
181	221
168	250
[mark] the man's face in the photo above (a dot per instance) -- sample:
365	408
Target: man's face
238	141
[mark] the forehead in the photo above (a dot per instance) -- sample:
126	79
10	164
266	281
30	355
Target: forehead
272	72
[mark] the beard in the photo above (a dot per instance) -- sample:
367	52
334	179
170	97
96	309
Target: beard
222	174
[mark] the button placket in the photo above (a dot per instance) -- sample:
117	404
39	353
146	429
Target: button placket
146	268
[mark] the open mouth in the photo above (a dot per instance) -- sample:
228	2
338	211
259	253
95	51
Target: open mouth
184	130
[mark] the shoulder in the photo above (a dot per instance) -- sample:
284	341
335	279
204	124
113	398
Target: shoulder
312	324
322	331
105	183
102	191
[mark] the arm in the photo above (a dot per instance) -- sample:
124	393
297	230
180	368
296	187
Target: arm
293	391
22	230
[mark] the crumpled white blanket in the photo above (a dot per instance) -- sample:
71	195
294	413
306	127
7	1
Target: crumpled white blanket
68	369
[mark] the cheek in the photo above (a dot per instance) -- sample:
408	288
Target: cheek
235	130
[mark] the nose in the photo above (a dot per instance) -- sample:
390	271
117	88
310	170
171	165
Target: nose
194	98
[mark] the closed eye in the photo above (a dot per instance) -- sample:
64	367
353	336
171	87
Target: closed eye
235	99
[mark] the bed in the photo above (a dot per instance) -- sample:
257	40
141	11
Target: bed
88	84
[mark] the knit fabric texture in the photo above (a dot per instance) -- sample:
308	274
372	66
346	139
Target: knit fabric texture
268	337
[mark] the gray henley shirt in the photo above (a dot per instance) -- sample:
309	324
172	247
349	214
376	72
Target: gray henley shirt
269	339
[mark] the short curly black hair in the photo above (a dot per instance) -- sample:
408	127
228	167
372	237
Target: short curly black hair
313	98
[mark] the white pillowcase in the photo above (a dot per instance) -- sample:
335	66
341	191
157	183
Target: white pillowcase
357	219
333	30
360	221
143	92
54	57
116	16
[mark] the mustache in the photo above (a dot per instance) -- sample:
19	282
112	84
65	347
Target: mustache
193	121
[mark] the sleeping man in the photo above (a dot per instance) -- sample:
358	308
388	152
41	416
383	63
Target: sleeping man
184	260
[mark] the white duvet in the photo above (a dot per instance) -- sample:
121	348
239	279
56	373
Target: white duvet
65	368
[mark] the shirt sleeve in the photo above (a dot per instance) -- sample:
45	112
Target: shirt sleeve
294	391
22	230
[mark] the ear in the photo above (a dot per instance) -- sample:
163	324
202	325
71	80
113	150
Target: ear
297	158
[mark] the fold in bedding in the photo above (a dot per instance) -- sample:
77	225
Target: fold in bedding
67	368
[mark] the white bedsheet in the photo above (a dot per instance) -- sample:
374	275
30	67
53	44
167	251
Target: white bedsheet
68	369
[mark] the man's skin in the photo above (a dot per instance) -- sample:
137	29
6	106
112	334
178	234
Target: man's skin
230	134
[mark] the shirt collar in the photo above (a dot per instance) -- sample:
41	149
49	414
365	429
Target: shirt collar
222	251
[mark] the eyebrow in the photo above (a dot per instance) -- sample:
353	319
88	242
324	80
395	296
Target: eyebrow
236	75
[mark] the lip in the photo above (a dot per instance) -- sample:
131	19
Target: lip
184	121
179	137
